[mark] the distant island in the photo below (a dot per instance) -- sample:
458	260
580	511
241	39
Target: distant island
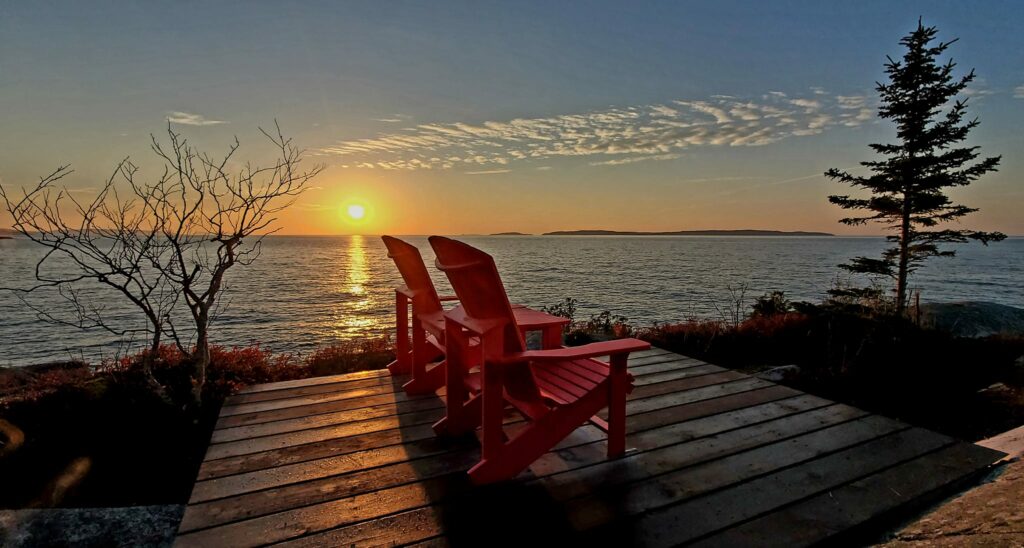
745	232
7	234
510	234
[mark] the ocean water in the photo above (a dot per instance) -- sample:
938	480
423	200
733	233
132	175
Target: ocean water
304	292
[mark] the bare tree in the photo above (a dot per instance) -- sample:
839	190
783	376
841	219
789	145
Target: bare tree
108	241
160	243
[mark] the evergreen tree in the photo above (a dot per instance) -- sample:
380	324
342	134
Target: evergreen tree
907	185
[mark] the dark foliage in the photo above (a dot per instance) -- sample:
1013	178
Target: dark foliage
771	304
104	434
883	363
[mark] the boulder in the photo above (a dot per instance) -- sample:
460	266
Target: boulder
779	373
973	318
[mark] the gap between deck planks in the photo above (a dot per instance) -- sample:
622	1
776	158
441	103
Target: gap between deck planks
352	459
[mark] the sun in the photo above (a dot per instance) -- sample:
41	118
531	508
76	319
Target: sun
356	211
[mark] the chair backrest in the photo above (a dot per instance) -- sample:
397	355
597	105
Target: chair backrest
476	282
414	273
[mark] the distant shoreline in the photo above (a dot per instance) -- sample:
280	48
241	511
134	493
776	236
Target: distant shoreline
746	232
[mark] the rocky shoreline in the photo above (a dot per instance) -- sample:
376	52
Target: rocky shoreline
973	319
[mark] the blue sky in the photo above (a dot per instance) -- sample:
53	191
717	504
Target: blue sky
484	116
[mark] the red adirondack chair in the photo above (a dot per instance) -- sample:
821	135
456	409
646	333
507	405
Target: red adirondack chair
428	327
427	320
557	390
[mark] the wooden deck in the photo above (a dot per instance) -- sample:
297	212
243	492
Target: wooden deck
717	458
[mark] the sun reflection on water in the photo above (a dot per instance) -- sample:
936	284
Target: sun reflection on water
355	316
358	271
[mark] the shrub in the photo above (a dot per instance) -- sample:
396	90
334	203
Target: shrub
771	304
136	447
565	309
350	356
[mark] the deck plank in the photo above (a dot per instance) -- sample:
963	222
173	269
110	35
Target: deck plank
827	515
715	456
678	484
322	480
694	518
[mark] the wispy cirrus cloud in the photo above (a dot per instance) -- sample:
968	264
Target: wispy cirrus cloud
488	172
978	90
189	119
613	136
393	119
635	159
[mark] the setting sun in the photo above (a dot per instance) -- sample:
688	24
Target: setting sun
356	211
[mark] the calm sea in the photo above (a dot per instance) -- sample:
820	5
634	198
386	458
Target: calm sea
310	291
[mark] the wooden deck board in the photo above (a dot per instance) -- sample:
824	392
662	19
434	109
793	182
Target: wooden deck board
715	457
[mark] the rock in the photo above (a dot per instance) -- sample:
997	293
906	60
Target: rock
988	515
780	373
995	388
132	526
973	318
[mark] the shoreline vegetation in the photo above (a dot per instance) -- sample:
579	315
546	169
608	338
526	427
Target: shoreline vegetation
742	232
68	441
74	434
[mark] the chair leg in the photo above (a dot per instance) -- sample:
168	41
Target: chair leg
617	386
455	347
468	419
536	439
403	353
431	380
492	412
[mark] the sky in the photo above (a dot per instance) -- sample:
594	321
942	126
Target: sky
483	117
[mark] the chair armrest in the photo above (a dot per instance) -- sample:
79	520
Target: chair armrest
410	294
477	327
603	348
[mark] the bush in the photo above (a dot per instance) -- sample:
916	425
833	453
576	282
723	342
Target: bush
565	309
350	356
105	432
884	363
771	304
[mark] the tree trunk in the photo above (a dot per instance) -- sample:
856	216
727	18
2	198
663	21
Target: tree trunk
201	357
901	279
147	367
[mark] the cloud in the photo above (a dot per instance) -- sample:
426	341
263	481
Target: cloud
488	172
544	168
1018	92
188	119
807	104
850	101
393	119
662	110
979	89
313	207
716	179
635	159
611	136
